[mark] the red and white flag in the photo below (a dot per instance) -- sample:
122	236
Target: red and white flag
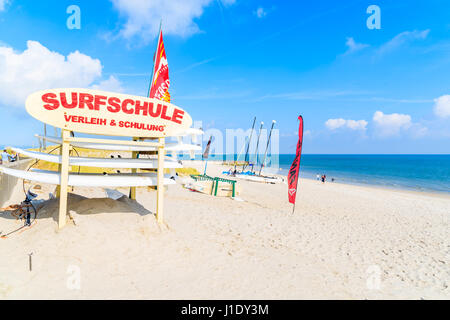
159	88
295	167
208	145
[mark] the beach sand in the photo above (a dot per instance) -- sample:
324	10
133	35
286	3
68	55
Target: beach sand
342	242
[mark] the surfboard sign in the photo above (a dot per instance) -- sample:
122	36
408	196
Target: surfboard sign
90	179
107	113
120	163
170	147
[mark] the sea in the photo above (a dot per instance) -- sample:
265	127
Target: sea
428	173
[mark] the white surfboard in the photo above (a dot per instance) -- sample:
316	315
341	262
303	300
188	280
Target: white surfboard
88	179
141	163
190	132
258	178
176	147
193	132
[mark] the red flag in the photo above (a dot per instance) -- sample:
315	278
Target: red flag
208	145
295	167
160	82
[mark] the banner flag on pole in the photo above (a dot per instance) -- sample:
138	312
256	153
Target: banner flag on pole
159	88
295	167
208	145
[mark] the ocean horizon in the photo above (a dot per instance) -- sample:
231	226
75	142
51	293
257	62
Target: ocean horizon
415	172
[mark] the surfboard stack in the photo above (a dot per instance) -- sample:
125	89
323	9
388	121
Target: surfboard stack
138	179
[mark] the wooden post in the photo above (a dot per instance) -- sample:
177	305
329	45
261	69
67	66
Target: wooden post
233	194
160	182
64	174
58	187
133	189
217	185
134	155
45	135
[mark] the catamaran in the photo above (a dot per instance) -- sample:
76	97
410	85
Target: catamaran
251	175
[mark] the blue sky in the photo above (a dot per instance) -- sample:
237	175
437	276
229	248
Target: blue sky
359	90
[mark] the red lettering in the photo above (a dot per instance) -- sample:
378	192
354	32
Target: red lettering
124	106
86	99
177	116
152	113
163	114
99	101
52	103
64	103
114	104
139	107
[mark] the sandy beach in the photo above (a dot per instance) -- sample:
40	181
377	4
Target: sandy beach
342	242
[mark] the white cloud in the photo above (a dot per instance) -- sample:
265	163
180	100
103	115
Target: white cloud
334	124
403	38
418	131
442	106
143	16
3	4
38	68
261	12
110	84
354	46
391	124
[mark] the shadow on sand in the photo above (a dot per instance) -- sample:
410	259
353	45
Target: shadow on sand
83	206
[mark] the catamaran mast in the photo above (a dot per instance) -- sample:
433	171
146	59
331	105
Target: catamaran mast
239	155
267	147
257	145
246	159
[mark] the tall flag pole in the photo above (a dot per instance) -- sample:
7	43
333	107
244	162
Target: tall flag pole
246	159
295	167
154	57
159	87
206	153
257	146
267	147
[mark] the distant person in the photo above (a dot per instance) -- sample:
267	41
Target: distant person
323	178
5	156
317	177
332	179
